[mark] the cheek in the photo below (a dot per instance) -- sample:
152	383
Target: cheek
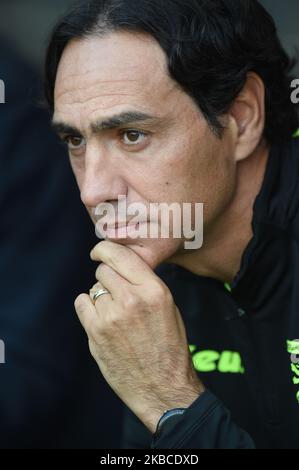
166	178
220	189
204	174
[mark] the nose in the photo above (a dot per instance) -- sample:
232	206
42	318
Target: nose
101	183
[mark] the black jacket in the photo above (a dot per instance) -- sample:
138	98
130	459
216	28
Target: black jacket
242	338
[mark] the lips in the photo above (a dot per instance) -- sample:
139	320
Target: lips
120	230
119	225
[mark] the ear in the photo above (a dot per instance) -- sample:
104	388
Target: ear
248	112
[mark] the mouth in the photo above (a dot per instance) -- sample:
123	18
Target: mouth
119	225
120	230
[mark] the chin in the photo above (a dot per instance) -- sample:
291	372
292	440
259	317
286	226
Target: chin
153	252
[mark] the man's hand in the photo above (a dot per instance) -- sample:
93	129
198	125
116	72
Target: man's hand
137	336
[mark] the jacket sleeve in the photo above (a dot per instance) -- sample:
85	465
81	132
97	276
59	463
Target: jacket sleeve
206	424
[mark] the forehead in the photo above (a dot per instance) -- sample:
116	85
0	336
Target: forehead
118	69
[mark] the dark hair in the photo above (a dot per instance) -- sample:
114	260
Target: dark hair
210	47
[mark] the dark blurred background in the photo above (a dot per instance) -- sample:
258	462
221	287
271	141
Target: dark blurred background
51	392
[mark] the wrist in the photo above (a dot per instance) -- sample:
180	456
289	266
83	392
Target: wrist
172	416
163	409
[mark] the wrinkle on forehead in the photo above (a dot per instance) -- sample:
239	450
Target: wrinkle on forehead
119	64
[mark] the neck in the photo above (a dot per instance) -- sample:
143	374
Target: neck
223	247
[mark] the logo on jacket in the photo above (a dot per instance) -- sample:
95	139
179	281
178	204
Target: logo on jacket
208	360
293	350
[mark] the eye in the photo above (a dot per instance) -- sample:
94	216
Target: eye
132	137
74	142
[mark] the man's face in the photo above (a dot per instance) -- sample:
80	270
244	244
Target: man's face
171	155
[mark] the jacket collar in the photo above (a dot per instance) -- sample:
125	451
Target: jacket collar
274	211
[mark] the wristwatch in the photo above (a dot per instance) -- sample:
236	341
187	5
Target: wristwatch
167	420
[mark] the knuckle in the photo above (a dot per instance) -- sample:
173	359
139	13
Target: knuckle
114	321
131	302
160	292
109	259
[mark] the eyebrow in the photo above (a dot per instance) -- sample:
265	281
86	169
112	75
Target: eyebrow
114	122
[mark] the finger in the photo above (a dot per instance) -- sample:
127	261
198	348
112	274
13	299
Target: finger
86	312
102	299
112	281
124	261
